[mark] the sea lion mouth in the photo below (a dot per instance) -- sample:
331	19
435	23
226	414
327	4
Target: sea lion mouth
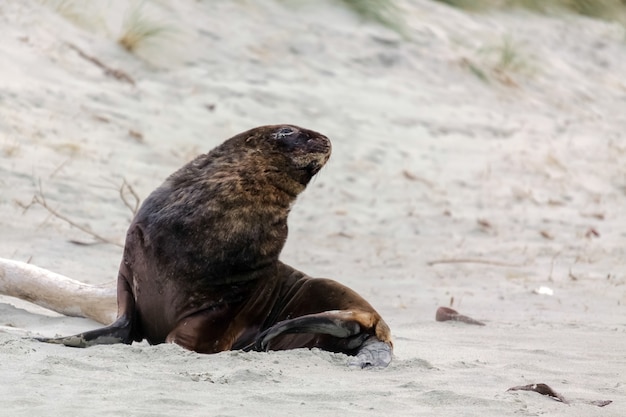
318	155
313	168
307	169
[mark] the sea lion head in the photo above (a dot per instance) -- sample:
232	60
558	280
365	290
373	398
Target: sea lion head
293	152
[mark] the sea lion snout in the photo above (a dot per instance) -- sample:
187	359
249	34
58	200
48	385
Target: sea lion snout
298	140
319	147
311	163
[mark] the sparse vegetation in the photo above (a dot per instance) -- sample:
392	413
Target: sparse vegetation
384	12
466	4
11	150
602	9
141	28
500	62
68	148
77	12
507	56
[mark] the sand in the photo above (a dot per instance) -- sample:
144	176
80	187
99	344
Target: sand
493	140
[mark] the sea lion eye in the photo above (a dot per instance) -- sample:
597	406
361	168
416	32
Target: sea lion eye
283	132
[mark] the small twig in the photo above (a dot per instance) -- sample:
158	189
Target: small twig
413	177
126	187
41	200
115	73
59	168
472	261
556	255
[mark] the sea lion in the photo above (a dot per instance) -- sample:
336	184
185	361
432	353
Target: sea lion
200	266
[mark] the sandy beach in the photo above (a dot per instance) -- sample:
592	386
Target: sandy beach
479	163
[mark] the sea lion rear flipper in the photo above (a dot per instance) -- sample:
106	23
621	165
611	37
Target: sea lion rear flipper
372	352
118	332
353	326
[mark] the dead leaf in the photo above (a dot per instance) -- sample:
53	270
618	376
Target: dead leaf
546	235
449	314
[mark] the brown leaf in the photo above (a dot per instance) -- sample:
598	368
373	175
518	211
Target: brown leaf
138	136
546	234
484	223
449	314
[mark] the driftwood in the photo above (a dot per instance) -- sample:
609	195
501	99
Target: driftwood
57	292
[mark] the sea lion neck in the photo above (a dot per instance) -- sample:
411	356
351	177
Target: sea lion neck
248	177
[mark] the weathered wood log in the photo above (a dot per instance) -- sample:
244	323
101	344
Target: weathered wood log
57	292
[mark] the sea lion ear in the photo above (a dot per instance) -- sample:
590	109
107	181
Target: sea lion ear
283	132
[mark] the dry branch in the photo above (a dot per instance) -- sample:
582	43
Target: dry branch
40	199
125	189
115	73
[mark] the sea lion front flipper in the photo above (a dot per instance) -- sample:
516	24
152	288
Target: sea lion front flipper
353	326
118	332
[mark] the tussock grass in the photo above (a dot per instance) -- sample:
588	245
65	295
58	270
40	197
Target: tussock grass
140	29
